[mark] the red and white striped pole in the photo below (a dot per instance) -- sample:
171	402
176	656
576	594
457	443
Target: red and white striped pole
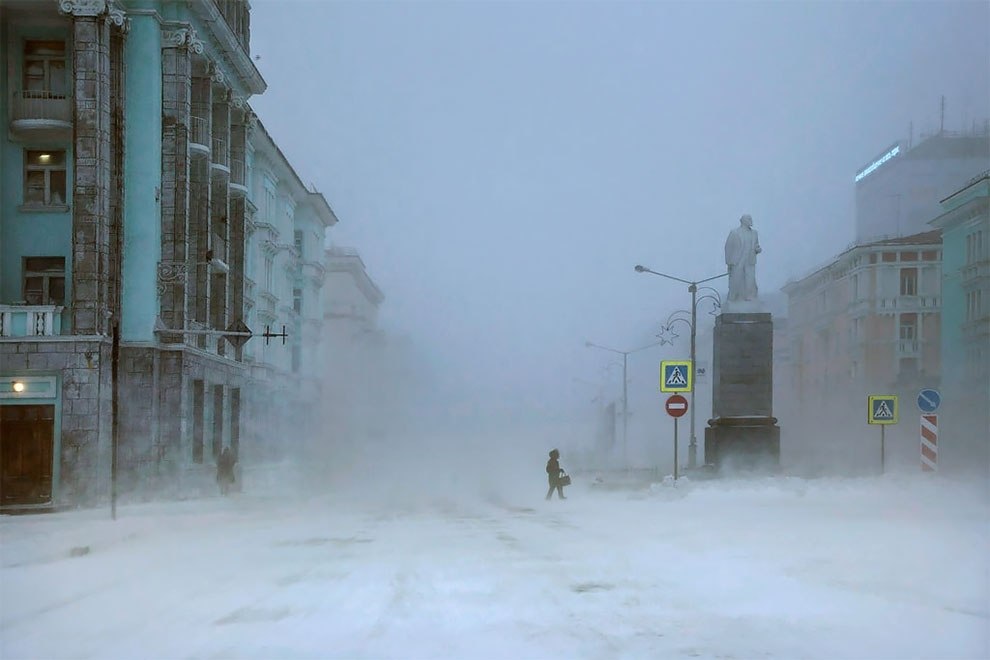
929	443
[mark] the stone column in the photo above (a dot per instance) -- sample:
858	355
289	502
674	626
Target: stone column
220	204
238	237
177	48
199	204
92	292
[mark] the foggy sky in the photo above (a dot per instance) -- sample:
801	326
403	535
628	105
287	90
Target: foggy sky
503	166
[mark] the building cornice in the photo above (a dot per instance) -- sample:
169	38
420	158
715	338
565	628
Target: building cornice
231	50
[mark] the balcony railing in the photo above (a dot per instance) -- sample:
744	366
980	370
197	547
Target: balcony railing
908	304
908	347
199	130
219	155
237	172
35	110
30	320
974	271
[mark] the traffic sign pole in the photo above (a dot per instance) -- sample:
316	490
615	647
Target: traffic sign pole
676	406
883	428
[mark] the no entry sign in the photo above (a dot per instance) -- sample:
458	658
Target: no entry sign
676	406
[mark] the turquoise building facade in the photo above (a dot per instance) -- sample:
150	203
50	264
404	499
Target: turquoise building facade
964	420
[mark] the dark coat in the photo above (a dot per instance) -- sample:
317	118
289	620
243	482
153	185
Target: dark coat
553	469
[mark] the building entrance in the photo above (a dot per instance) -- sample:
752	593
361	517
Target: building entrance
27	440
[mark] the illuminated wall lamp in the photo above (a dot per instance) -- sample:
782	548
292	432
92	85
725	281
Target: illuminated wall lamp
18	386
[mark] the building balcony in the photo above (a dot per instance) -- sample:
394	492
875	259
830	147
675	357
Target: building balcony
908	348
30	320
921	304
218	249
199	136
974	271
219	160
41	115
977	329
238	177
266	307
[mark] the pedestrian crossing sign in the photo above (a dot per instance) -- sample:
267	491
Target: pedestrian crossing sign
676	376
883	409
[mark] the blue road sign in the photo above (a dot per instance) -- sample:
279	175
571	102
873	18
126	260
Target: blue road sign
929	400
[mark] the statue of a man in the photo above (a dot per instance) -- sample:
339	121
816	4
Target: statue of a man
741	248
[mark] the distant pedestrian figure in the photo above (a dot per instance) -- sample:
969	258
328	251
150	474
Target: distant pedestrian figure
225	470
554	472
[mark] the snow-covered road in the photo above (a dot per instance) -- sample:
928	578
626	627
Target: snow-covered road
784	568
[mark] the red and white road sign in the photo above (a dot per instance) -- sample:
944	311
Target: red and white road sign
676	405
929	443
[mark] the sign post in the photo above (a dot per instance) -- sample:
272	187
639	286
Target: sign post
928	402
882	410
676	406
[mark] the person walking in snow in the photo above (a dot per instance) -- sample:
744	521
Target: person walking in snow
554	472
225	470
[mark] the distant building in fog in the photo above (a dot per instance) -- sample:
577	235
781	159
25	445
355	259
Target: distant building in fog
866	323
898	191
354	350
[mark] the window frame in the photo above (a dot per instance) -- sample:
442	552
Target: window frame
46	61
28	167
46	278
909	275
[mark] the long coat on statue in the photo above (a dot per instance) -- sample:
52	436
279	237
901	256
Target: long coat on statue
741	248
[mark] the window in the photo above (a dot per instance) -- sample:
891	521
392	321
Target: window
974	247
44	280
908	326
974	304
297	300
909	281
269	273
44	178
298	237
855	287
44	69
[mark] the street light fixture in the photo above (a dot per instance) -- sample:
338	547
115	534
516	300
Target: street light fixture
625	387
693	289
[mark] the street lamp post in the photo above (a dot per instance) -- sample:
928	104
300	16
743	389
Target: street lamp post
625	387
693	289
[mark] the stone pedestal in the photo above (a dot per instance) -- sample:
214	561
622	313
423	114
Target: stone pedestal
743	433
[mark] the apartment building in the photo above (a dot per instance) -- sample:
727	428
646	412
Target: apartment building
138	247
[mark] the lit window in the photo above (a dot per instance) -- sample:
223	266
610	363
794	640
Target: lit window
44	178
44	280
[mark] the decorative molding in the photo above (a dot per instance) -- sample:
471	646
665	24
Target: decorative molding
83	8
183	37
117	16
94	9
217	75
239	102
170	273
